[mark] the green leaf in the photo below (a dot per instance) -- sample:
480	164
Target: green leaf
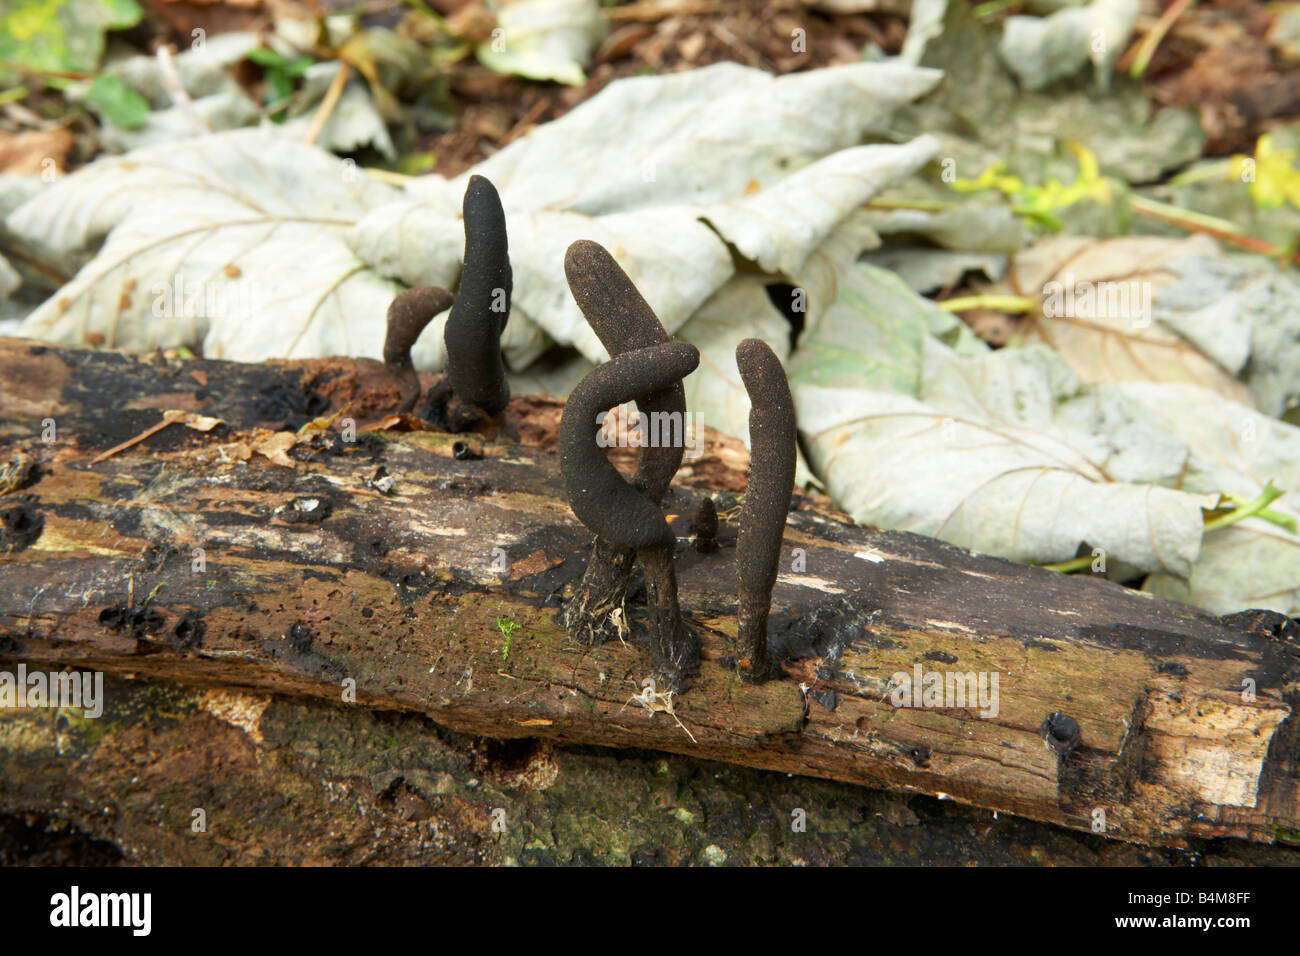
269	58
298	66
121	13
53	36
116	102
279	62
278	87
872	335
412	164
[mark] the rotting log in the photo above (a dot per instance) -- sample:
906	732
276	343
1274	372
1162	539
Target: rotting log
298	781
313	580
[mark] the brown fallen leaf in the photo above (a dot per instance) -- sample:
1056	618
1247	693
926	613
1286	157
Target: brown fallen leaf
36	152
535	563
323	423
276	447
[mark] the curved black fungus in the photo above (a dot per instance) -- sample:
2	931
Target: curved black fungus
410	312
624	321
622	515
706	527
475	371
767	499
601	498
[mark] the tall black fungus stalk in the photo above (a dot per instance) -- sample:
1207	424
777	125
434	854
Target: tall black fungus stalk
623	321
474	385
767	500
619	512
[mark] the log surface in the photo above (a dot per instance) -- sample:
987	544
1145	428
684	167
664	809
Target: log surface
313	583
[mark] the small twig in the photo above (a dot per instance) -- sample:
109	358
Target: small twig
33	71
1001	303
330	101
180	98
1290	522
168	419
534	111
992	8
1257	508
1067	567
387	176
1211	226
1146	48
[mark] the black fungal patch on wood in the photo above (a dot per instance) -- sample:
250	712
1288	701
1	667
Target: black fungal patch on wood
21	525
307	509
139	619
189	631
301	637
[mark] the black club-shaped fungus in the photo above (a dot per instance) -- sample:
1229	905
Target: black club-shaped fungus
475	370
767	500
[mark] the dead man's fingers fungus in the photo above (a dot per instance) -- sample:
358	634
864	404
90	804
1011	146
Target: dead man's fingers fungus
618	512
767	500
706	527
475	371
408	315
602	498
624	321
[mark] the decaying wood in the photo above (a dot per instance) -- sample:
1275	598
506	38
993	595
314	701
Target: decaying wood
441	597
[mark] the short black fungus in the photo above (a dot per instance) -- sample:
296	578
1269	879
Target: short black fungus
411	311
618	511
464	451
706	527
1062	733
767	500
475	374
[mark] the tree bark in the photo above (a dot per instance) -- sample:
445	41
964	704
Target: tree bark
186	559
